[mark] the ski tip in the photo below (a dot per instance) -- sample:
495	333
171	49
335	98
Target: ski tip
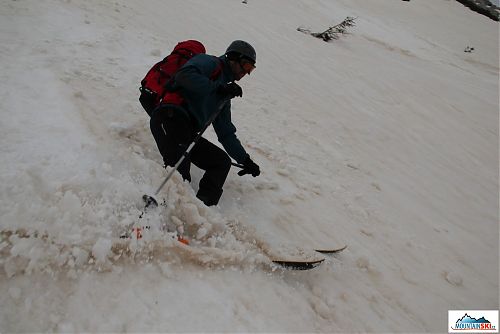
299	265
331	250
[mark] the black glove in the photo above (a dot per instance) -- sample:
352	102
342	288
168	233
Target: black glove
231	89
249	167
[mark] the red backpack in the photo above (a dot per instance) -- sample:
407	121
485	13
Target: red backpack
154	85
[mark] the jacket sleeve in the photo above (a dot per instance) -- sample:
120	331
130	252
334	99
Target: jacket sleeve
194	76
226	134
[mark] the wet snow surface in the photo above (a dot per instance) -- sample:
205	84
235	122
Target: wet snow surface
385	140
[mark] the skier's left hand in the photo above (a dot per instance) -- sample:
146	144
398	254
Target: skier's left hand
249	167
231	89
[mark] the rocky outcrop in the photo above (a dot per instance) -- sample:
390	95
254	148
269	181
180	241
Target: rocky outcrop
482	7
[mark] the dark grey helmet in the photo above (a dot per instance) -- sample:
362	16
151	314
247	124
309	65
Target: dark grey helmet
241	49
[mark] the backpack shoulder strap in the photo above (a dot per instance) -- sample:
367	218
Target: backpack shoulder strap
217	71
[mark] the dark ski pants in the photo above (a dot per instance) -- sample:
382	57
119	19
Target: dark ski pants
173	131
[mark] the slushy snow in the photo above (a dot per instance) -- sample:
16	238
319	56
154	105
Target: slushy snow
385	140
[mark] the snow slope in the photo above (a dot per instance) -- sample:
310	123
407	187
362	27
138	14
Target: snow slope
385	140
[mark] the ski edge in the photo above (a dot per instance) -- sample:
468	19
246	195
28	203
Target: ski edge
299	265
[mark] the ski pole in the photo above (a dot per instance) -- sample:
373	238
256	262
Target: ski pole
237	165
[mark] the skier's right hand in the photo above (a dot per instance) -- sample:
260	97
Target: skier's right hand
231	89
249	167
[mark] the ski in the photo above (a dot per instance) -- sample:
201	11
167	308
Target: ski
331	250
292	264
299	265
308	264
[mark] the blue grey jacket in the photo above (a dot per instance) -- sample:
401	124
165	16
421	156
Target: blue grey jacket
202	100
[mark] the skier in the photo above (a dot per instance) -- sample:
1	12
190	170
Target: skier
206	84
